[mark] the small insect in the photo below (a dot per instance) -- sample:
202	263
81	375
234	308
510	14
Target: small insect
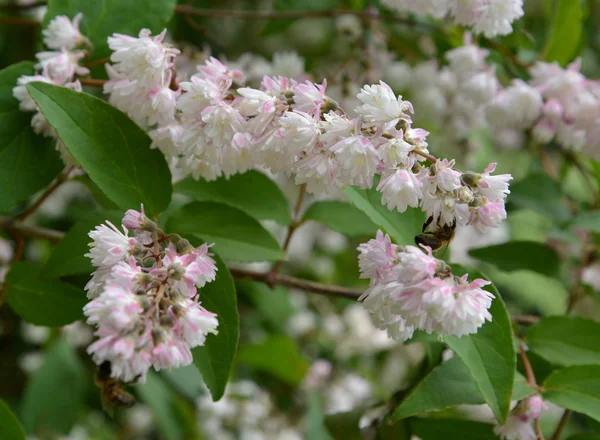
442	236
113	392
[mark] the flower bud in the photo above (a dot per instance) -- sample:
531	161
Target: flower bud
167	321
184	247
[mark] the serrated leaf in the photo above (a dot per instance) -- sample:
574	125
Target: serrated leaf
576	388
157	395
102	18
10	428
236	235
54	395
541	194
566	340
402	227
42	301
341	217
28	162
252	192
520	255
278	356
490	354
112	148
450	429
68	256
565	33
215	358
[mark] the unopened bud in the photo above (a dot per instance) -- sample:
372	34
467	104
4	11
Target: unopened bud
472	179
177	310
158	335
167	321
184	247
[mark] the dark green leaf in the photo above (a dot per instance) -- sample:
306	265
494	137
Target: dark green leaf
42	301
157	395
236	235
490	354
186	380
102	18
215	358
54	395
278	25
541	194
112	148
450	429
10	428
279	356
341	217
97	193
518	255
252	192
345	425
273	305
28	162
588	220
585	437
576	388
566	340
68	257
402	227
565	33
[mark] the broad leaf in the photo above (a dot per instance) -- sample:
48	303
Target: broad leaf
345	425
42	301
10	428
215	358
186	380
278	25
519	255
566	341
565	33
588	220
274	305
341	217
236	235
54	395
450	429
314	419
540	193
402	227
28	162
112	148
252	192
68	256
279	356
161	399
490	354
576	388
102	18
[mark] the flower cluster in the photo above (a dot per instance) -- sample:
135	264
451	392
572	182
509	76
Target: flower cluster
59	66
410	289
488	17
518	426
144	298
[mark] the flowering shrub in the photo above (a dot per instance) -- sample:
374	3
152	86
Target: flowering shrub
313	256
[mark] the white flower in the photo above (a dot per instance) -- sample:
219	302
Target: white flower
62	33
377	256
288	64
494	17
519	105
591	276
400	189
380	104
62	65
357	160
26	102
196	322
109	246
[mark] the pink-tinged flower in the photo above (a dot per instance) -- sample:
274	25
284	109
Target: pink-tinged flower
277	85
117	307
171	352
206	265
26	102
519	425
195	323
553	110
95	285
544	130
215	70
400	189
591	276
310	97
377	257
414	265
489	215
357	160
62	33
494	188
109	246
395	152
127	273
380	104
399	330
443	176
134	220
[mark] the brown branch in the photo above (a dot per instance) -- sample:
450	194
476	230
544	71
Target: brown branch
92	82
24	7
97	63
525	319
538	429
561	425
11	225
19	21
427	156
62	178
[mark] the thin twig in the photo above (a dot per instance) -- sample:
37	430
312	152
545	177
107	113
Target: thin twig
24	6
92	82
538	429
561	425
525	319
62	177
532	383
427	156
11	225
99	62
19	21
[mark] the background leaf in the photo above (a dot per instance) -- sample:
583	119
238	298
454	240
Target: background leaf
113	150
565	33
576	388
215	358
252	192
10	428
236	235
341	217
449	429
520	255
541	194
28	162
161	399
588	220
42	301
566	340
278	25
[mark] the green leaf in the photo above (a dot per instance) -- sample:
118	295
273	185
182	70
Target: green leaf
565	340
274	305
588	220
315	419
576	388
278	25
402	227
448	385
186	380
54	395
565	33
28	162
252	192
10	428
215	358
345	425
236	235
68	256
541	194
450	429
490	354
102	18
519	255
341	217
42	301
112	148
279	356
157	395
